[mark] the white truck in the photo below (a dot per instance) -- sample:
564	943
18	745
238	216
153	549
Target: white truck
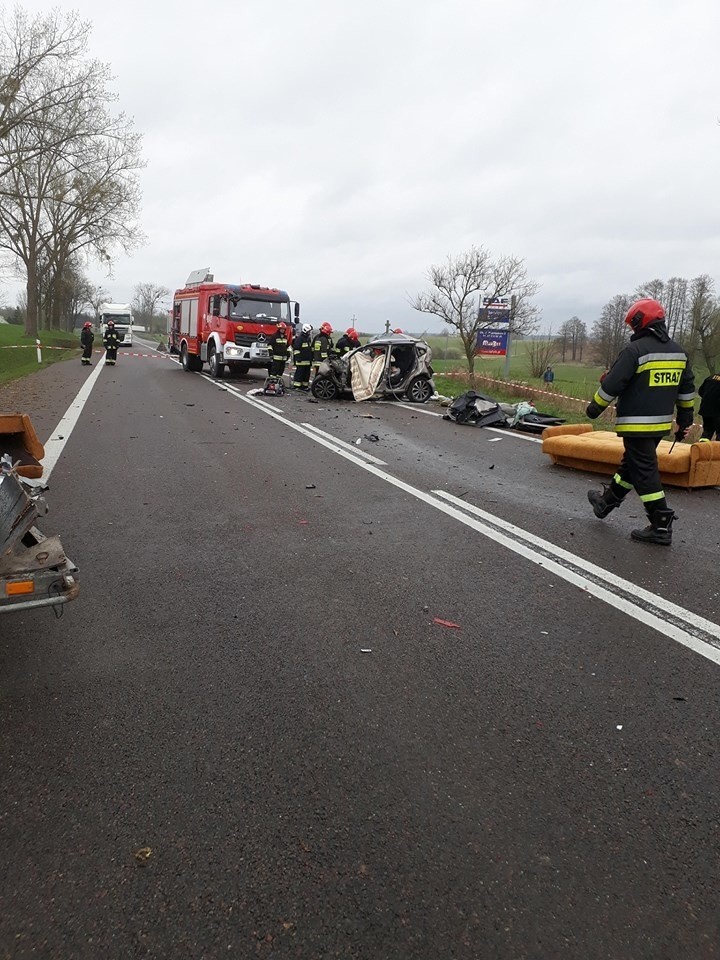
122	314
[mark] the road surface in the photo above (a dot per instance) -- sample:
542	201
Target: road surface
402	698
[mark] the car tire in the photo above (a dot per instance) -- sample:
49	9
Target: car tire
323	388
419	390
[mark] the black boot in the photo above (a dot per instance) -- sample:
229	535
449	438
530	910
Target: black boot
603	503
659	530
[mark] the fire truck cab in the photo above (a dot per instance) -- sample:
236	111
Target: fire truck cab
225	324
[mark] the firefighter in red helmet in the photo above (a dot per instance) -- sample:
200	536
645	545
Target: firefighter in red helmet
650	378
279	350
322	344
86	340
348	341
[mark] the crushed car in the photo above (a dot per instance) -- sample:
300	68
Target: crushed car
393	366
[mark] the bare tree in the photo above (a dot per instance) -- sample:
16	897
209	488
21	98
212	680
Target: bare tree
541	354
145	300
41	72
458	288
610	332
72	186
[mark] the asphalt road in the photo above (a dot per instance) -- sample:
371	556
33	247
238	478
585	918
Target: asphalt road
249	737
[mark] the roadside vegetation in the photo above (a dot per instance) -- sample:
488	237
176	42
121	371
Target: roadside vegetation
22	359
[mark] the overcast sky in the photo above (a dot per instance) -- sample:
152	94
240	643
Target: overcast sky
338	150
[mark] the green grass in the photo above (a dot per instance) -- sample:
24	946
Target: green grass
19	362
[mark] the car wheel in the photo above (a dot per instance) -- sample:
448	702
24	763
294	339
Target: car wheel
419	390
323	388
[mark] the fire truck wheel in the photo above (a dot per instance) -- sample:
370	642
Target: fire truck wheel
185	359
216	368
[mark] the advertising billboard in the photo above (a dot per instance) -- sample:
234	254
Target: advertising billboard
491	343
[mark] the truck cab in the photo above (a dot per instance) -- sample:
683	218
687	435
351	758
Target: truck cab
122	314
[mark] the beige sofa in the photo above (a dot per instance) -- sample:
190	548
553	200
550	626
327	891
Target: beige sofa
600	451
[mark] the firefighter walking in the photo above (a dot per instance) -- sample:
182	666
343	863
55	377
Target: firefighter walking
86	340
302	356
111	340
279	348
649	379
322	344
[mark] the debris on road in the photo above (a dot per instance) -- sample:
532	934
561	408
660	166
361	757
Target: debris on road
447	623
372	437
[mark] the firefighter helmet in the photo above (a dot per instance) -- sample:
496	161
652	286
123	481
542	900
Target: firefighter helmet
326	329
282	327
306	328
398	330
87	324
643	313
352	333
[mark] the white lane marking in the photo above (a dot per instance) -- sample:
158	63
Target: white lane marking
515	434
258	400
637	593
707	646
347	446
61	434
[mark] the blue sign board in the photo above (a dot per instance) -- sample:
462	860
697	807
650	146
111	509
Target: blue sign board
491	343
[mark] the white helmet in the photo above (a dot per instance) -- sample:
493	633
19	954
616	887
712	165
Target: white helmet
307	328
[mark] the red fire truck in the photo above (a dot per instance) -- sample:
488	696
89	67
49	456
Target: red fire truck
226	324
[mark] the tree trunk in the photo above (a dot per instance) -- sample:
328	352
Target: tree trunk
31	314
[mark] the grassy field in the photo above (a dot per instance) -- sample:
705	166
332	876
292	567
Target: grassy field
16	363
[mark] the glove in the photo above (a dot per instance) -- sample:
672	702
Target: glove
593	410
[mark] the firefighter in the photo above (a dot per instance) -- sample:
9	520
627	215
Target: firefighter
86	339
321	345
111	339
280	348
348	341
650	377
709	393
302	356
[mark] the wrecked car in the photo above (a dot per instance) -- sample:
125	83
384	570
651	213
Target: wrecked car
393	366
479	410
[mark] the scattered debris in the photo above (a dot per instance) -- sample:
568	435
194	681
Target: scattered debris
310	486
619	726
447	623
358	442
143	854
372	437
365	650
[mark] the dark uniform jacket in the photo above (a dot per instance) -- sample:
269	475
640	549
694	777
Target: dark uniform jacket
279	347
345	345
86	337
111	338
302	349
650	377
320	345
710	393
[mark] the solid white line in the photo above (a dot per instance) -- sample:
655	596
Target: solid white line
258	400
61	434
618	583
492	530
353	448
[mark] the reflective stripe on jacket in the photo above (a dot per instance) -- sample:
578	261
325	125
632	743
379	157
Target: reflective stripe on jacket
650	377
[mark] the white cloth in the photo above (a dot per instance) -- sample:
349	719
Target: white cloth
365	374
